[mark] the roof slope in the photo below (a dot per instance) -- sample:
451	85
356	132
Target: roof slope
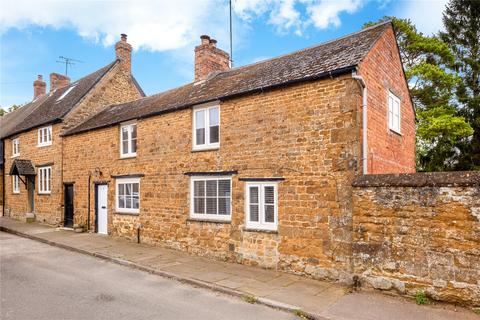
327	59
50	107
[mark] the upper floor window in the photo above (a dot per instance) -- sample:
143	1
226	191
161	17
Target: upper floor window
394	115
16	185
210	198
128	140
15	147
261	205
45	136
45	180
206	127
128	195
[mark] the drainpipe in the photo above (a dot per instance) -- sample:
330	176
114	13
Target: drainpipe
364	121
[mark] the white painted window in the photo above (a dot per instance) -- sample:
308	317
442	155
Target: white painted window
15	147
128	140
211	198
394	114
261	205
16	184
45	180
127	195
206	127
45	136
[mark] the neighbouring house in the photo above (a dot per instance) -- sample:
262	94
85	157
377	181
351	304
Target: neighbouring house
34	148
251	164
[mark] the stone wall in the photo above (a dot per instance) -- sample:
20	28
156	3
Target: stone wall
419	232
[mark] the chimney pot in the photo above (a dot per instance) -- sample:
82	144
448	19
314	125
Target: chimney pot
209	58
123	52
39	87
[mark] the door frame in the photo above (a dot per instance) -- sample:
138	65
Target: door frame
65	185
96	203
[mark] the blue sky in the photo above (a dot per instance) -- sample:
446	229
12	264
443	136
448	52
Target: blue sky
33	34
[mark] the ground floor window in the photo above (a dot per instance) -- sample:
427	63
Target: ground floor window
128	195
16	185
44	180
261	205
211	198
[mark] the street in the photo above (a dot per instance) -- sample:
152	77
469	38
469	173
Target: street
38	281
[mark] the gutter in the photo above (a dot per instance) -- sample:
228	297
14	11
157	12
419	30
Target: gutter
362	83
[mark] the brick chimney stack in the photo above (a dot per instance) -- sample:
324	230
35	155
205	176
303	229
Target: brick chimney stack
58	81
39	87
123	51
208	58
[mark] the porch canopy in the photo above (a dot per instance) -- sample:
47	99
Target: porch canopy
22	168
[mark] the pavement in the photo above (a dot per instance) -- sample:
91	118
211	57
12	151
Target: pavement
287	292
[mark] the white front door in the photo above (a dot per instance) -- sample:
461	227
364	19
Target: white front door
102	209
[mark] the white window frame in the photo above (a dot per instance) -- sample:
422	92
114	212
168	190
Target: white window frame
16	184
119	181
207	145
394	116
206	216
45	136
45	180
15	147
261	224
129	153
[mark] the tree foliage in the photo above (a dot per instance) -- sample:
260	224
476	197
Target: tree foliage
461	20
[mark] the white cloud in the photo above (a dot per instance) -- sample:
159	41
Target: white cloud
161	25
150	24
425	14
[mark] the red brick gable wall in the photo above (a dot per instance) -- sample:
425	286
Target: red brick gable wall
388	152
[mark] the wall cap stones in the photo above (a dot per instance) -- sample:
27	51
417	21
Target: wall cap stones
420	179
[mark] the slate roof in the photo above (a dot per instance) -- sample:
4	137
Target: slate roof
50	108
328	59
22	168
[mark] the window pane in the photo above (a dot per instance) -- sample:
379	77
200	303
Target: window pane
49	131
128	202
135	189
199	205
128	189
134	131
136	202
211	188
269	194
121	189
213	117
253	193
269	213
214	134
254	212
199	119
224	206
124	133
253	198
199	188
200	136
211	205
224	188
134	146
121	202
125	147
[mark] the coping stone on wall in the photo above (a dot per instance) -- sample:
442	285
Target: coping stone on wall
420	179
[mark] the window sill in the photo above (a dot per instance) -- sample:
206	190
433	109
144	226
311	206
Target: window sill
15	156
260	230
43	145
15	193
200	149
396	132
44	193
128	156
127	213
209	220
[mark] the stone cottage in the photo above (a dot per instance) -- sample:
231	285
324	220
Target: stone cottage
34	148
251	164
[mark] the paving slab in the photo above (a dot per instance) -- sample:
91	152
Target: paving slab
319	299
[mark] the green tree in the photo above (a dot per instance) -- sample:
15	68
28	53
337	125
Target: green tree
461	20
2	112
440	127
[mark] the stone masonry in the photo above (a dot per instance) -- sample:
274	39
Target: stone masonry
419	232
